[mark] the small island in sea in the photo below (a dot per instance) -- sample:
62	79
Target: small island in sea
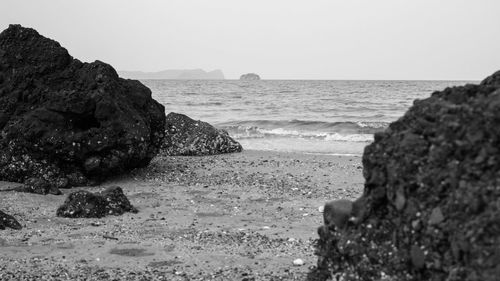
250	76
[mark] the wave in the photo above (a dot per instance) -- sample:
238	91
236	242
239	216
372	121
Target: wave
360	131
361	127
204	103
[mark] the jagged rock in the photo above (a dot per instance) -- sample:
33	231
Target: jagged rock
250	76
431	195
185	136
8	221
67	122
84	204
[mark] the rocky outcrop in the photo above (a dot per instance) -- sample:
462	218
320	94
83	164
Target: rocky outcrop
431	204
250	76
185	136
7	220
84	204
69	123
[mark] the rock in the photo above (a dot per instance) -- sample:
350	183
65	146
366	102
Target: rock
8	221
39	186
436	216
321	209
417	257
84	204
185	136
298	262
337	213
117	202
66	122
429	210
250	76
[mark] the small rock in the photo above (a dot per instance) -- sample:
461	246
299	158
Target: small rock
298	262
436	216
417	257
337	212
84	204
7	220
400	200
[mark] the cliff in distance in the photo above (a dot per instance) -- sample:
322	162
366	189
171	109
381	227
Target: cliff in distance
175	74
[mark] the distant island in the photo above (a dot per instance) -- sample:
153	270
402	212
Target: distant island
180	74
250	76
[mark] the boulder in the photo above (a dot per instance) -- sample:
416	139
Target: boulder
39	186
84	204
185	136
8	221
67	122
250	76
431	203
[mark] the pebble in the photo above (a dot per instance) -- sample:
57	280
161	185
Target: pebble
298	262
321	209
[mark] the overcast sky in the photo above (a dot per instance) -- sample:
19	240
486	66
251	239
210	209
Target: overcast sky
278	39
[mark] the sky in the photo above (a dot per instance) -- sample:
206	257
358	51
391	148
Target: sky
278	39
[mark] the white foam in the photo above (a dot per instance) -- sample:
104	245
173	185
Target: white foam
353	137
254	132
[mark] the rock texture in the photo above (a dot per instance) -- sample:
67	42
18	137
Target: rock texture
432	199
185	136
84	204
66	122
8	221
40	186
250	76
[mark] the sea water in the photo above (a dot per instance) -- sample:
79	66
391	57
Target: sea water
324	117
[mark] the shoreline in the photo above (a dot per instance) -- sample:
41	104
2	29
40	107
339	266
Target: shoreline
221	217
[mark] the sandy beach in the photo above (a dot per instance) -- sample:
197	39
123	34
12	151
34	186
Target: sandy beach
242	216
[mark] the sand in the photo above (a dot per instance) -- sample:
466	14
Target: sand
242	216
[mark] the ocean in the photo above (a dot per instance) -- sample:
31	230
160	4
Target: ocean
319	117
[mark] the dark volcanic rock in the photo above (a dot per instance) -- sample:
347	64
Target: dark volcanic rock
432	196
84	204
64	121
8	221
39	186
250	76
185	136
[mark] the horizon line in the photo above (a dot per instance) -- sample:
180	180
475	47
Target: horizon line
321	79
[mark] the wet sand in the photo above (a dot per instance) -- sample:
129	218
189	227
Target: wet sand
243	216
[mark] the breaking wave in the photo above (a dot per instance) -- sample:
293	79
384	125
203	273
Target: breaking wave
328	131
